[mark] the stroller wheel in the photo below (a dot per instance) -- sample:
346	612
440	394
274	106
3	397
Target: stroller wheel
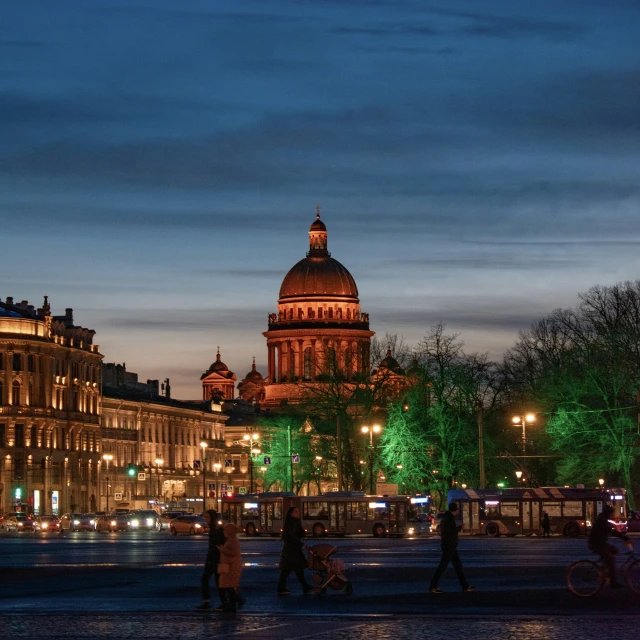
348	590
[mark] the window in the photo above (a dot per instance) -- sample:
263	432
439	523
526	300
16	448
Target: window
34	436
491	509
17	362
573	508
357	511
31	363
510	509
315	510
1	393
19	437
1	360
2	435
15	393
552	508
330	313
307	363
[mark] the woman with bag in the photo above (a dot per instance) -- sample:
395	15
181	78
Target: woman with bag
292	557
229	568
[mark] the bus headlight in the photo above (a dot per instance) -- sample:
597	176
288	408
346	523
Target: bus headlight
149	522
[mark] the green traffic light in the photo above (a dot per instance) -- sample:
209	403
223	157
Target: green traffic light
131	471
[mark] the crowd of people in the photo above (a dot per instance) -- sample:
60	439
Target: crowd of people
224	560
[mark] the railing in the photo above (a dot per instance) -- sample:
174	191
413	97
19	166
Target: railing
319	323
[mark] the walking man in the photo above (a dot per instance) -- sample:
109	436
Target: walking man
449	546
546	525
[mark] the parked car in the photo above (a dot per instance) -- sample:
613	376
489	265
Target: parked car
190	524
633	522
110	522
77	522
3	518
44	524
164	520
144	519
19	523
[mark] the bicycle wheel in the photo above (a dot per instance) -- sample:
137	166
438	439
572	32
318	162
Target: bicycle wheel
632	576
584	578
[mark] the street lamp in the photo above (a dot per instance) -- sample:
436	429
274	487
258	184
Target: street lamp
522	421
107	457
204	445
251	441
601	482
376	428
159	463
216	467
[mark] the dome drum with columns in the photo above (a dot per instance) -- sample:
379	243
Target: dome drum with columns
319	319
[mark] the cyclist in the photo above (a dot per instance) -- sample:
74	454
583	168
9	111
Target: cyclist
598	543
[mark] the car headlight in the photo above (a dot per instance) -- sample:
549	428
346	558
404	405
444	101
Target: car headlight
92	521
76	522
113	523
411	531
198	526
19	524
149	522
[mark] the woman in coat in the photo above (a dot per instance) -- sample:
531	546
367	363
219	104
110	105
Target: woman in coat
292	557
230	579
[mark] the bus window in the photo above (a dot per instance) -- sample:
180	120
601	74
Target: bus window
277	510
250	510
491	509
552	509
315	510
357	511
572	508
510	509
377	511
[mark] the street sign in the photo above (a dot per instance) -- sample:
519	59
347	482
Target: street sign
223	487
212	493
212	486
386	489
196	464
117	496
295	459
142	475
228	463
242	489
229	488
267	459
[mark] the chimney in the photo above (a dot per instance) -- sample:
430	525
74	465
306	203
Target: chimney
68	314
10	300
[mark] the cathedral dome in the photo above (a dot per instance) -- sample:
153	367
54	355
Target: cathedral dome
254	375
318	274
218	366
318	277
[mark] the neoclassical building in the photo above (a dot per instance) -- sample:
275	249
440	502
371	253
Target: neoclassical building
318	325
50	404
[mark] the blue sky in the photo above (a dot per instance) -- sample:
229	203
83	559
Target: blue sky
476	164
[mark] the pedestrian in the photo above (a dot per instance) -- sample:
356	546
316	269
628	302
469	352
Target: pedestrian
292	557
449	545
216	537
546	525
230	569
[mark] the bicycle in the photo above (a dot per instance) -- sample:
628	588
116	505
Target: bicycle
585	578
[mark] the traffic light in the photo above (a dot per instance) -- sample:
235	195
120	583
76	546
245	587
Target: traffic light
132	471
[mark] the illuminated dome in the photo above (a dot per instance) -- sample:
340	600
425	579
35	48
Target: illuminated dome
318	274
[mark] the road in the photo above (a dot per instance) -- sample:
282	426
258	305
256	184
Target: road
153	579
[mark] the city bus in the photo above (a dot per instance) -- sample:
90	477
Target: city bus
258	513
510	512
333	513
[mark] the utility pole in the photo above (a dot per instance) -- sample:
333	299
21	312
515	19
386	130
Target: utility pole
290	458
339	451
480	411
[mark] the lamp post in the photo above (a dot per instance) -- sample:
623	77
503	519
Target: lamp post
159	463
251	441
522	421
204	445
601	482
107	457
216	467
376	428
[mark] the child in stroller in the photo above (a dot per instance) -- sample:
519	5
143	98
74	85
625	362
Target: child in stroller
328	571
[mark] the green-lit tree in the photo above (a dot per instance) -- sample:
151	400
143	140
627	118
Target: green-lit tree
431	439
583	367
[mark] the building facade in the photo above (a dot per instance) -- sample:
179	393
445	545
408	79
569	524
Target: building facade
50	404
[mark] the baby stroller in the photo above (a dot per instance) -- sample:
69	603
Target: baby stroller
328	572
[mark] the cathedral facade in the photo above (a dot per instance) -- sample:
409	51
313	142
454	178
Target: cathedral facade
318	328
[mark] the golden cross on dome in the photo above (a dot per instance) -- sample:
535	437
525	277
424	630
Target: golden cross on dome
317	211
